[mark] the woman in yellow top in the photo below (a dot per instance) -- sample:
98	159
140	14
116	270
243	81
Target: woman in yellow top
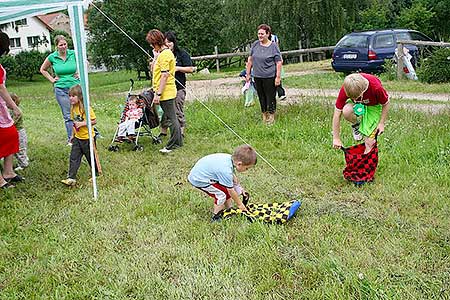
163	79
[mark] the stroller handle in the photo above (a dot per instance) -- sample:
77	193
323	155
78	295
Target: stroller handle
131	86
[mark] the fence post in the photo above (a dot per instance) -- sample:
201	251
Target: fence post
216	52
300	58
399	60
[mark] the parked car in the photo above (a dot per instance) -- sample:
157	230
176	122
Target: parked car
366	51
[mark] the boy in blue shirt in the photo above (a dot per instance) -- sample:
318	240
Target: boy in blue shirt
214	175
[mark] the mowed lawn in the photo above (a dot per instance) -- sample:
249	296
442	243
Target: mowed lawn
149	236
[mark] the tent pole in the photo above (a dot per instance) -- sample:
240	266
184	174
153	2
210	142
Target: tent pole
79	41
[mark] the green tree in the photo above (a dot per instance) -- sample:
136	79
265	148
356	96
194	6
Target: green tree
197	24
375	17
417	17
201	25
108	45
441	21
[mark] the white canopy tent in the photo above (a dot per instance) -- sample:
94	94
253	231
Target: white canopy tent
12	10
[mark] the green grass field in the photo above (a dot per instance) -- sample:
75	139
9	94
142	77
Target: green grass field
149	236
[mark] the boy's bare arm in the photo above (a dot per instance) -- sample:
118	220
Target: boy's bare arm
384	113
236	199
336	129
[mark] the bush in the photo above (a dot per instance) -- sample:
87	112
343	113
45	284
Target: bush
28	63
390	69
436	68
9	63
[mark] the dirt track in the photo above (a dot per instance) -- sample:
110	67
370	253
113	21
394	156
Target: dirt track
231	87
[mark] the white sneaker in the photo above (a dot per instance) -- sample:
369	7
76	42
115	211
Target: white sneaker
19	168
356	134
165	150
69	144
69	181
282	98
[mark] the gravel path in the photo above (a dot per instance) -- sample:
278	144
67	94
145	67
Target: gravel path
231	87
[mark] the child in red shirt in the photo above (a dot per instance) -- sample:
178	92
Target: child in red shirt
365	104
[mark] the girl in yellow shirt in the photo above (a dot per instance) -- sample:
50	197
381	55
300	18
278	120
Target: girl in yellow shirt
80	140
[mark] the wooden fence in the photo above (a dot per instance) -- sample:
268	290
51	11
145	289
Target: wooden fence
400	54
320	51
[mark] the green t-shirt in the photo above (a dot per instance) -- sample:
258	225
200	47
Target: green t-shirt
64	69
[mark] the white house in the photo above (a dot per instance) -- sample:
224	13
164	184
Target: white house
27	34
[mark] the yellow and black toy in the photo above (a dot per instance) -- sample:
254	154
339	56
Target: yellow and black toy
274	213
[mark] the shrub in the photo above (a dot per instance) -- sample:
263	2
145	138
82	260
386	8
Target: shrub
9	63
28	63
436	68
390	69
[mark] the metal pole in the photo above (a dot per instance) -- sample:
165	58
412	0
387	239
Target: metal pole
76	14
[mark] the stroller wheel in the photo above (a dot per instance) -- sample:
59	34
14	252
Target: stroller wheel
113	148
138	148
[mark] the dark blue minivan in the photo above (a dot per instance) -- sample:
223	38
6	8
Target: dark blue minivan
366	51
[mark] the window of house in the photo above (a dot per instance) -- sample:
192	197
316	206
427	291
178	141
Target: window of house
33	41
14	42
4	26
21	22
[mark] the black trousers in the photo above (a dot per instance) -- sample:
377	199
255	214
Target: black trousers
80	148
266	89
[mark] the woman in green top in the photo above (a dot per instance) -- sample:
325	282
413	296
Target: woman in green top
64	66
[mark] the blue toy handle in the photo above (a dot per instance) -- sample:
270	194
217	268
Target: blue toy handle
294	207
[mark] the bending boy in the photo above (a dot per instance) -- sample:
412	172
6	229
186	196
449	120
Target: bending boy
214	175
365	104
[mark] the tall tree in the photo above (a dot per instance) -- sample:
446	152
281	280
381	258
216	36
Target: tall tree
418	17
441	20
374	17
197	23
109	45
202	24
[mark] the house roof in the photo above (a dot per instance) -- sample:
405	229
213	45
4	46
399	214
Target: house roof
48	19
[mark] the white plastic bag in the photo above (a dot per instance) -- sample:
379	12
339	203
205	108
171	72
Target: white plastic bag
408	68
